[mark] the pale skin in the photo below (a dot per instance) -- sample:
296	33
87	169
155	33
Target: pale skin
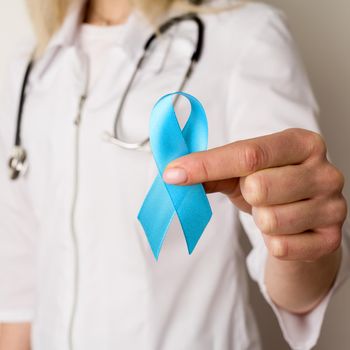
295	197
283	180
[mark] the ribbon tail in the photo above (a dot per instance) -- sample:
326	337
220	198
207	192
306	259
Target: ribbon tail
194	213
156	214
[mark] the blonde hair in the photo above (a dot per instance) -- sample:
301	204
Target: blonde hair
48	15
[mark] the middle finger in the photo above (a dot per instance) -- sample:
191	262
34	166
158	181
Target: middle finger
283	185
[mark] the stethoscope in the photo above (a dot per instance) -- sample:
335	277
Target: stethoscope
18	160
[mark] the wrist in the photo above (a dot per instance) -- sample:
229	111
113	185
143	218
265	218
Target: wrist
299	286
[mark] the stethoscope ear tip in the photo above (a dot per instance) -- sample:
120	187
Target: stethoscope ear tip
17	163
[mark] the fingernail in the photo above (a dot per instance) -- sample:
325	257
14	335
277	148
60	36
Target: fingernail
277	248
175	176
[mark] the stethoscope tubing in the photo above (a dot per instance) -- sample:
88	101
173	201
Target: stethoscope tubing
116	139
17	162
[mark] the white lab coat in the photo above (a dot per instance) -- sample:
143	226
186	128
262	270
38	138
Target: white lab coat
70	242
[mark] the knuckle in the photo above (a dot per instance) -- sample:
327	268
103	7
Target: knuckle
203	169
332	179
339	210
252	157
297	132
317	144
338	179
278	247
266	220
333	239
255	190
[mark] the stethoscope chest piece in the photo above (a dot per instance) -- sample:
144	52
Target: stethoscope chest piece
18	163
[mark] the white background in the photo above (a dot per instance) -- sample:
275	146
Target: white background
322	31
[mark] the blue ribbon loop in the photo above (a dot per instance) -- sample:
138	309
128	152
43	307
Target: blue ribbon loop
190	203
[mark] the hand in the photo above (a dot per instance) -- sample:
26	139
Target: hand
284	180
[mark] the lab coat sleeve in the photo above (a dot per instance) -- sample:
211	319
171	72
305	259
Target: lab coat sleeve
269	92
18	226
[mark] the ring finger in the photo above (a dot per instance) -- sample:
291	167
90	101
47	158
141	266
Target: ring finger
299	216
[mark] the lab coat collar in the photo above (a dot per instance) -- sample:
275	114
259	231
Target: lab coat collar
137	30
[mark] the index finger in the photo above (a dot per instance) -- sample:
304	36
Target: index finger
242	158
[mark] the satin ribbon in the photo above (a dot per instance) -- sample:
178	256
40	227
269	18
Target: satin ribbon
190	203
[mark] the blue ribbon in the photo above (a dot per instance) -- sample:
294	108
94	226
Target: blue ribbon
190	203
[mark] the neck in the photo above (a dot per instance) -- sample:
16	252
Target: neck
107	12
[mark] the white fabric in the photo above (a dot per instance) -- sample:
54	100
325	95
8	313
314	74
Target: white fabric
251	83
96	42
